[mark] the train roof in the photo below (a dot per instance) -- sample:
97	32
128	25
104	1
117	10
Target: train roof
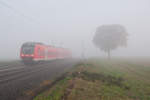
32	43
35	43
55	46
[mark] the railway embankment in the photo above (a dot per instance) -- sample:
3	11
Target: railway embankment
100	79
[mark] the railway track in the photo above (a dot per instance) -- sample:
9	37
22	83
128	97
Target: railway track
16	78
12	74
19	70
8	67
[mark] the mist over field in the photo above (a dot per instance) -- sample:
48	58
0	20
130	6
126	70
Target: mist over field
69	23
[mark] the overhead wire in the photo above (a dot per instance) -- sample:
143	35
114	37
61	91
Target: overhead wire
29	18
18	12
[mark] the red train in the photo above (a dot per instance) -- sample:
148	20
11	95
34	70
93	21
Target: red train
32	52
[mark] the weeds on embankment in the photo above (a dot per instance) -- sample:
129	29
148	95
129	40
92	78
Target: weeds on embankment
103	80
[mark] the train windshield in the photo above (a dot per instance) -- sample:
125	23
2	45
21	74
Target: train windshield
27	49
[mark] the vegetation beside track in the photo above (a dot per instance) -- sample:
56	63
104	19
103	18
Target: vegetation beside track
100	79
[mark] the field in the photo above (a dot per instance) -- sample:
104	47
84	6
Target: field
102	79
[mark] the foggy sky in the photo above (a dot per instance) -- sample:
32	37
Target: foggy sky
68	23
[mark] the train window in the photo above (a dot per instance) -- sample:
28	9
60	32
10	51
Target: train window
52	53
28	49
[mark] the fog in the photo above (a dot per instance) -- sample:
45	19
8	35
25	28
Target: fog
70	23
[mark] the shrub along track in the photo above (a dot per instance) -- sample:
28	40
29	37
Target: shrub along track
16	79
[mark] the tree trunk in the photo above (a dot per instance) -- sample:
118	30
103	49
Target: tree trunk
109	57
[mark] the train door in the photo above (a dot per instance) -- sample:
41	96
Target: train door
46	53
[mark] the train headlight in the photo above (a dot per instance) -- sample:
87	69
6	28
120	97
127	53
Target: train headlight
32	55
22	54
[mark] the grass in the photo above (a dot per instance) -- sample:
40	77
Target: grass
100	79
56	92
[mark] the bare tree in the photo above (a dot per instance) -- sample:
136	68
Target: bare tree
109	37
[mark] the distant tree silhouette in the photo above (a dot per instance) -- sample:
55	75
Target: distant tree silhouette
109	37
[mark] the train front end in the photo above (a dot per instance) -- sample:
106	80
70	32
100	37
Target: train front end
27	53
